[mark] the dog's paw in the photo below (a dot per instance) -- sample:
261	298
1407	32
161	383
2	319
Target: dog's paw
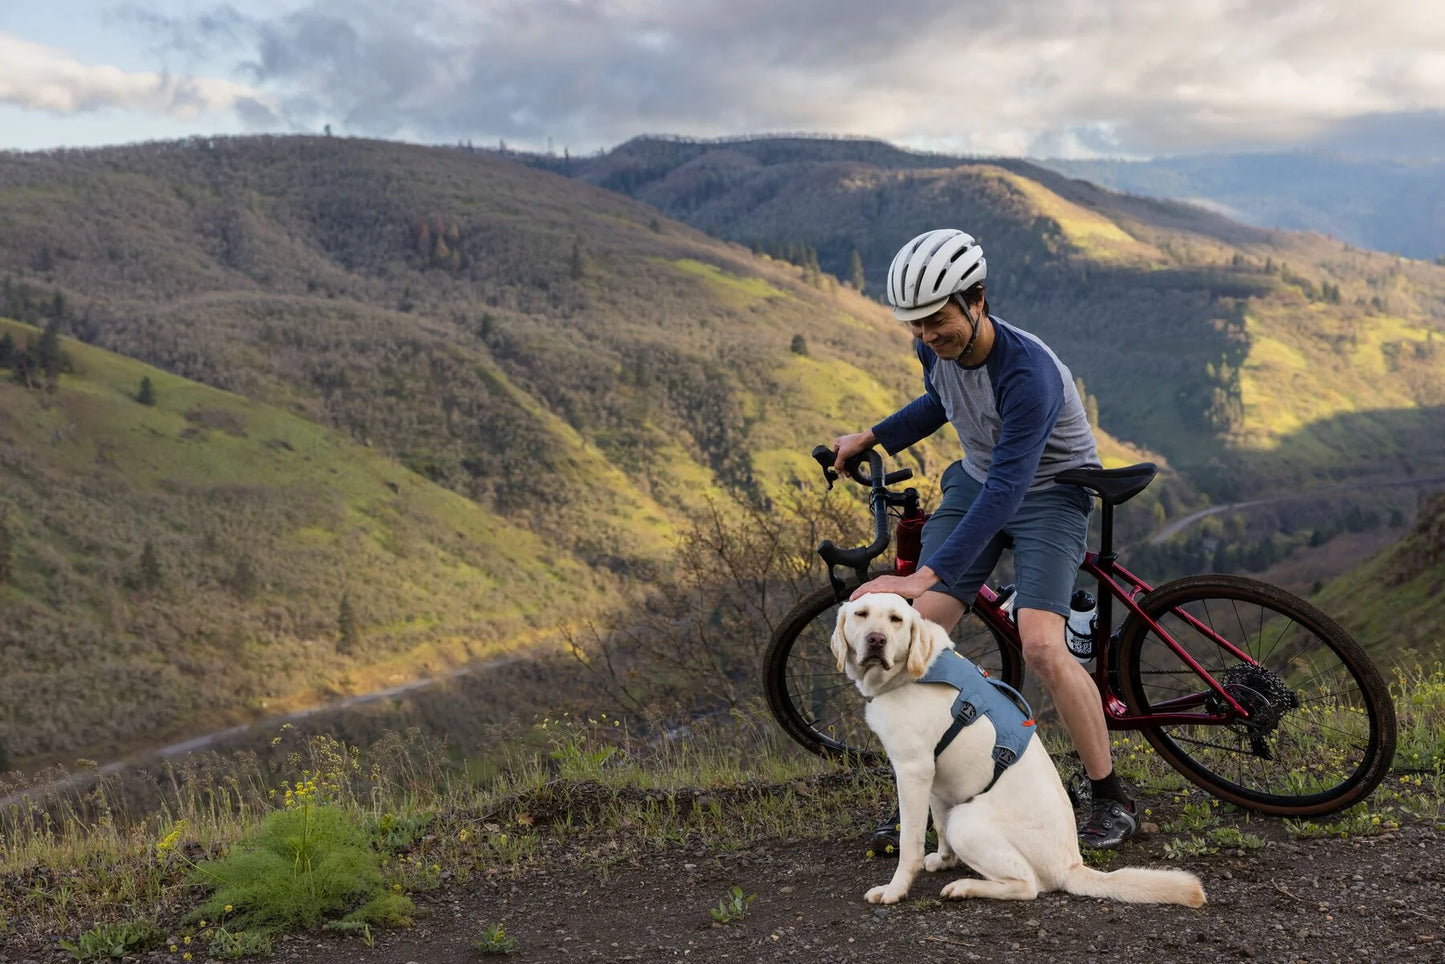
960	889
884	894
938	861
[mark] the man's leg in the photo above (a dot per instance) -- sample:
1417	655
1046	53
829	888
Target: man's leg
1050	533
1068	683
1111	819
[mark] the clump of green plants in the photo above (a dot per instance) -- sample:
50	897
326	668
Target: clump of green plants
114	940
1186	847
495	940
1420	708
733	906
233	945
1236	839
309	863
1360	820
1195	817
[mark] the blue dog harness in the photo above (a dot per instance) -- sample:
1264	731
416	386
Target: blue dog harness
980	695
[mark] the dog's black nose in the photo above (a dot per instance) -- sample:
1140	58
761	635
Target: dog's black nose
875	640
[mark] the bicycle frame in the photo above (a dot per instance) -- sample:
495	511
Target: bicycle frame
1114	582
1107	572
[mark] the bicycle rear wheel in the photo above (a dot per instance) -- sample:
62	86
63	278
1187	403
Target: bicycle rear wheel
1321	729
820	707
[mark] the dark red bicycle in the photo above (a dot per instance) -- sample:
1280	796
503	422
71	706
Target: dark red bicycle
1250	692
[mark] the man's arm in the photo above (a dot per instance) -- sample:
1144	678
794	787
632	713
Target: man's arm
918	419
1029	406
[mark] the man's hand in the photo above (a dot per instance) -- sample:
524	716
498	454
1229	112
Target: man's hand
909	587
847	446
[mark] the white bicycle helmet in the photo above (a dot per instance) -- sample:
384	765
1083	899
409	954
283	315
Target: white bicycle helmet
930	268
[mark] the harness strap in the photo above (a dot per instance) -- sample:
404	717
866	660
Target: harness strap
1013	726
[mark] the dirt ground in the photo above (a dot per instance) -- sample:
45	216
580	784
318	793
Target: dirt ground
1378	898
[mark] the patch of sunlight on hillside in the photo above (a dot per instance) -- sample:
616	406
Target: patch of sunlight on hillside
732	289
1289	380
1378	337
1091	233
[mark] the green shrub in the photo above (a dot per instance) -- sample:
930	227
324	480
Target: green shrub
307	864
114	940
494	940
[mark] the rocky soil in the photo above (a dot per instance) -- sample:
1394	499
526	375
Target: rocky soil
1376	898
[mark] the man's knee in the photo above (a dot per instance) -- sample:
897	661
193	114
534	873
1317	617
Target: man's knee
941	608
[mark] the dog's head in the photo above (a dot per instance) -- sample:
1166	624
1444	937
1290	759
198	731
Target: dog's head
879	636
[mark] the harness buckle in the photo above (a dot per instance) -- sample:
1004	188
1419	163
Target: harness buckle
1004	756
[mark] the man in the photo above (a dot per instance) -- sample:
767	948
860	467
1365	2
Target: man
1021	422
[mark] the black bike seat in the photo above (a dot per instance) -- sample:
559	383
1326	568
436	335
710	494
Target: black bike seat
1114	486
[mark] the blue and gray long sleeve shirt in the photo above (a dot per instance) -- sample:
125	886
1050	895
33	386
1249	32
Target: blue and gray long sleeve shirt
1020	420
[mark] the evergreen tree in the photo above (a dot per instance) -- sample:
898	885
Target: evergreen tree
7	349
147	393
348	634
855	270
799	345
7	553
48	357
578	263
244	581
150	567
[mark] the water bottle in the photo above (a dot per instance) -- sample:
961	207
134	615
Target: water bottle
1079	635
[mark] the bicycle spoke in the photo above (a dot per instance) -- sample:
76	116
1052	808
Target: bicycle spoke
1317	728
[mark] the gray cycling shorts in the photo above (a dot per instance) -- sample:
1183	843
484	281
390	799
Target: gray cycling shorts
1050	534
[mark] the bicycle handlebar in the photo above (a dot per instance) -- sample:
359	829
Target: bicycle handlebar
876	479
826	458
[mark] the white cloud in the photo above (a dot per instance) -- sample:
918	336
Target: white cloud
42	78
1075	77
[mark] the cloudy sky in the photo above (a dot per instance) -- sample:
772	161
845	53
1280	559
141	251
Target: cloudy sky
1043	78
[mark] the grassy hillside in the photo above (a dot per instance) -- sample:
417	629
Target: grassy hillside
573	373
562	367
184	563
1392	602
1246	356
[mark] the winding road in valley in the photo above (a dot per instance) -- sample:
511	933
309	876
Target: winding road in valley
83	778
1184	522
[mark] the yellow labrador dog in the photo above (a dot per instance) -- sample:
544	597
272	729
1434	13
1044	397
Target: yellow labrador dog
1014	827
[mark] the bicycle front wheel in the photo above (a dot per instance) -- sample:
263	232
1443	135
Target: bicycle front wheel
1320	732
820	707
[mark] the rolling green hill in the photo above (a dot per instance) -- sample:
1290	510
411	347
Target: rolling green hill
1240	353
480	400
184	562
1392	602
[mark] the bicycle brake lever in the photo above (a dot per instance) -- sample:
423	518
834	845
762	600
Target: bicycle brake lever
825	457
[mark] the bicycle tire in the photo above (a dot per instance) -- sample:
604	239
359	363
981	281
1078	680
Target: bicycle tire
1324	730
821	708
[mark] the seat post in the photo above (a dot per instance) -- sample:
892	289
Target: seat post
1106	532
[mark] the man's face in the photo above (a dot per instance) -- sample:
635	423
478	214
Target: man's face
946	331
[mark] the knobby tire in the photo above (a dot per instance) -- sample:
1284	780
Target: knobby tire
1322	731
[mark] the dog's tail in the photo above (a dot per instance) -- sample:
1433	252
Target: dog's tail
1136	885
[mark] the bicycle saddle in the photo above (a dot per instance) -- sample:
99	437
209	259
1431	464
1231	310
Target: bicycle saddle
1114	486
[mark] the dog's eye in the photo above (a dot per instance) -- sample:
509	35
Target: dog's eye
896	618
861	613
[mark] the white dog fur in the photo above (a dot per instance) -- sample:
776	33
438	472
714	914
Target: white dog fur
1020	835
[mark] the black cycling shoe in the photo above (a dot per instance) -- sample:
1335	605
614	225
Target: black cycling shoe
884	842
1110	823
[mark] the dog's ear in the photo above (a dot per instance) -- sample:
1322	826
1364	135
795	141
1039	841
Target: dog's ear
839	642
922	643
